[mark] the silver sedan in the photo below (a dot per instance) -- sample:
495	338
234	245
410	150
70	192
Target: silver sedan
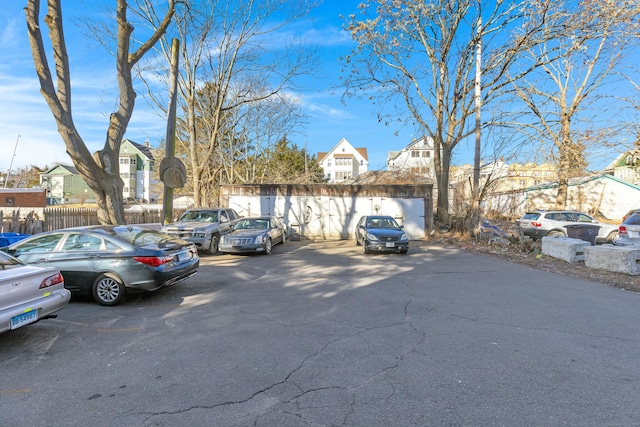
28	294
254	235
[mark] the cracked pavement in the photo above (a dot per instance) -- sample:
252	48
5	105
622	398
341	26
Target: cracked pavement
318	334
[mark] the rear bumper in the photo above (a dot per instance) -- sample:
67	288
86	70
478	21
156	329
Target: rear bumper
47	305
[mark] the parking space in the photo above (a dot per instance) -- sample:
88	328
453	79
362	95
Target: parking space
318	333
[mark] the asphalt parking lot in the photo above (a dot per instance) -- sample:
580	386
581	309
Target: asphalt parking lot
318	334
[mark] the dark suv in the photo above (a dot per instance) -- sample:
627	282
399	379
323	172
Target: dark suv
540	223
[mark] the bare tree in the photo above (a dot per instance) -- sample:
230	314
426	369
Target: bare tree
590	41
101	170
230	60
417	60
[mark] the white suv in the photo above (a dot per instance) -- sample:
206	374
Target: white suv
540	223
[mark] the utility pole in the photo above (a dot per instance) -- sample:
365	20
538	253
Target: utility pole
475	214
6	181
172	171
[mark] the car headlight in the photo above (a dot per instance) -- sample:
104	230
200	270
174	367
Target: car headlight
372	237
404	236
261	239
199	232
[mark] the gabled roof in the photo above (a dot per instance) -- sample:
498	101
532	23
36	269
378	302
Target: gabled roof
361	151
143	149
71	170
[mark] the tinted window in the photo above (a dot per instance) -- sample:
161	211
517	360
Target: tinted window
633	220
531	215
583	218
39	244
82	242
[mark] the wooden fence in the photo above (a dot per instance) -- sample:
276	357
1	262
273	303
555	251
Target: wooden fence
48	219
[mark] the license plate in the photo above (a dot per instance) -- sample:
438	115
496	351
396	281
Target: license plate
24	319
183	256
391	245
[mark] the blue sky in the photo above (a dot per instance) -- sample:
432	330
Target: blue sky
26	119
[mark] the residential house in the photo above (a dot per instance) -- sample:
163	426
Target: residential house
626	167
64	185
136	164
343	162
416	158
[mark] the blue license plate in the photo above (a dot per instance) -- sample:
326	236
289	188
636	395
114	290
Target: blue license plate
24	319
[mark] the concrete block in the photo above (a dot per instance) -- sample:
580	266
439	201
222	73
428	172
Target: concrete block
619	259
564	248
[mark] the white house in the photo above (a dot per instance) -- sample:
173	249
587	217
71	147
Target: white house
416	158
343	162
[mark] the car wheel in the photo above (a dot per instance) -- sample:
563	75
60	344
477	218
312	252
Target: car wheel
555	233
284	237
357	241
267	247
108	290
364	247
213	245
404	251
613	237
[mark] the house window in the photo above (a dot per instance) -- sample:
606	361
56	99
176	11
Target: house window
124	160
133	161
125	190
415	153
124	175
361	162
329	162
426	153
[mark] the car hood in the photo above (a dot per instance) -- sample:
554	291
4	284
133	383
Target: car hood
190	225
246	233
386	231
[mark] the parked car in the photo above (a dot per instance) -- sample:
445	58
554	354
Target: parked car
109	261
539	223
628	214
630	230
381	233
254	234
203	227
29	293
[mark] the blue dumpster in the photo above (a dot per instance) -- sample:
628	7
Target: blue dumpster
7	239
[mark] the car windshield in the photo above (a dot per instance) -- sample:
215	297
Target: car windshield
252	224
199	216
382	223
7	262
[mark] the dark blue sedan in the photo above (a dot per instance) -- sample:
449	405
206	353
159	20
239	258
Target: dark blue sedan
381	233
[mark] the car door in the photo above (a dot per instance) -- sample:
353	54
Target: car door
36	250
225	221
79	258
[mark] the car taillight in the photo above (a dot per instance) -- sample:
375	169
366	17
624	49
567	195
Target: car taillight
536	224
622	230
52	280
154	261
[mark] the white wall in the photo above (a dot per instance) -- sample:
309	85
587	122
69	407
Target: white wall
332	218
